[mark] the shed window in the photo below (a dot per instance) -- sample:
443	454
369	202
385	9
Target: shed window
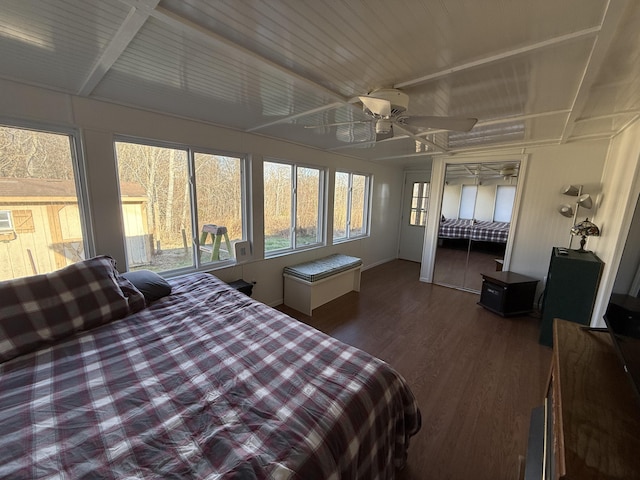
5	220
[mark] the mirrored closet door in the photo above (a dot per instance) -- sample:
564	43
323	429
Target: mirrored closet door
475	218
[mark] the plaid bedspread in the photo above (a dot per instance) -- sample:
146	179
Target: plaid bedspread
455	228
205	383
477	231
490	232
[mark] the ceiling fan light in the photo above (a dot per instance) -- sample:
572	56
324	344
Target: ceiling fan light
383	125
508	171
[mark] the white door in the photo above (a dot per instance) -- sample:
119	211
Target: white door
415	206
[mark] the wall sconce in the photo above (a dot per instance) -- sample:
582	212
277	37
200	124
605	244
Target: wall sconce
566	211
583	200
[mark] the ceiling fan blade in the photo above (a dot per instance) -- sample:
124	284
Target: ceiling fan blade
377	106
458	124
384	136
322	125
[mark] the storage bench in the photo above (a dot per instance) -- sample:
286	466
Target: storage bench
311	284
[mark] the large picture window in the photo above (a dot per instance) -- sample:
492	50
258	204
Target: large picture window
351	206
42	226
293	201
181	208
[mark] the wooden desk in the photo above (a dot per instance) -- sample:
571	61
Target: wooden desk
593	418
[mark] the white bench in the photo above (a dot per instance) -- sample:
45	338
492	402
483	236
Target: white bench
311	284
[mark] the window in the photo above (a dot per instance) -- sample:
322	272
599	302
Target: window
181	208
468	201
5	220
505	196
419	204
351	205
42	224
293	200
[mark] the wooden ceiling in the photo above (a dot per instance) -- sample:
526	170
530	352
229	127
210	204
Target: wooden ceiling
533	72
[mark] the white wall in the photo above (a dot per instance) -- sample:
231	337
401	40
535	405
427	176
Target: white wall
540	227
620	187
100	121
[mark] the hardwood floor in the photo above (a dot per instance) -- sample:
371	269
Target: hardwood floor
475	375
453	268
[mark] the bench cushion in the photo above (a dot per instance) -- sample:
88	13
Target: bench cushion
323	267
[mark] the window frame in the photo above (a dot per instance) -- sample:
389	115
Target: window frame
79	167
191	152
367	196
322	196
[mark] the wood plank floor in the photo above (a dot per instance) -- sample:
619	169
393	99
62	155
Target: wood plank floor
476	375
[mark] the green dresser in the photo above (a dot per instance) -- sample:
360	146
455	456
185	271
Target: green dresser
572	284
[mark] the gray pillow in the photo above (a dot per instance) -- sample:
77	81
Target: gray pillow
152	285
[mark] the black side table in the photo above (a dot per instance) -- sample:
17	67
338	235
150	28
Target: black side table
507	293
242	286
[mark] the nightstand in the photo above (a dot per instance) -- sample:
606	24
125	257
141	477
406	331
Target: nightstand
242	286
507	293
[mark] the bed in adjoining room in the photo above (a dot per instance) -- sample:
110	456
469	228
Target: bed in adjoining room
205	382
479	231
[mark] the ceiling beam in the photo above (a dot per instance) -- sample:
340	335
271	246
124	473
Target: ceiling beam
519	118
612	17
634	111
500	56
289	118
130	27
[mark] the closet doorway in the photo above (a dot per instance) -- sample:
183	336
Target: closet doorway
477	202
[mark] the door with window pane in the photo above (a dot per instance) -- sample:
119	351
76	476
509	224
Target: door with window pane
414	215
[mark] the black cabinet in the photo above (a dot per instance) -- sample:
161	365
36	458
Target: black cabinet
507	293
242	286
572	284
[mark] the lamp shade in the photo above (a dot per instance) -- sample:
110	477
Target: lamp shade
585	201
586	228
572	190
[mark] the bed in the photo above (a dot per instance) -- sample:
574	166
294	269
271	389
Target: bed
202	383
480	231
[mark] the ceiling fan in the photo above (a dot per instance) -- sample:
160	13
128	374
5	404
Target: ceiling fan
387	108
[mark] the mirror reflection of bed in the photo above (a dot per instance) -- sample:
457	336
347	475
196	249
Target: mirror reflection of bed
477	206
